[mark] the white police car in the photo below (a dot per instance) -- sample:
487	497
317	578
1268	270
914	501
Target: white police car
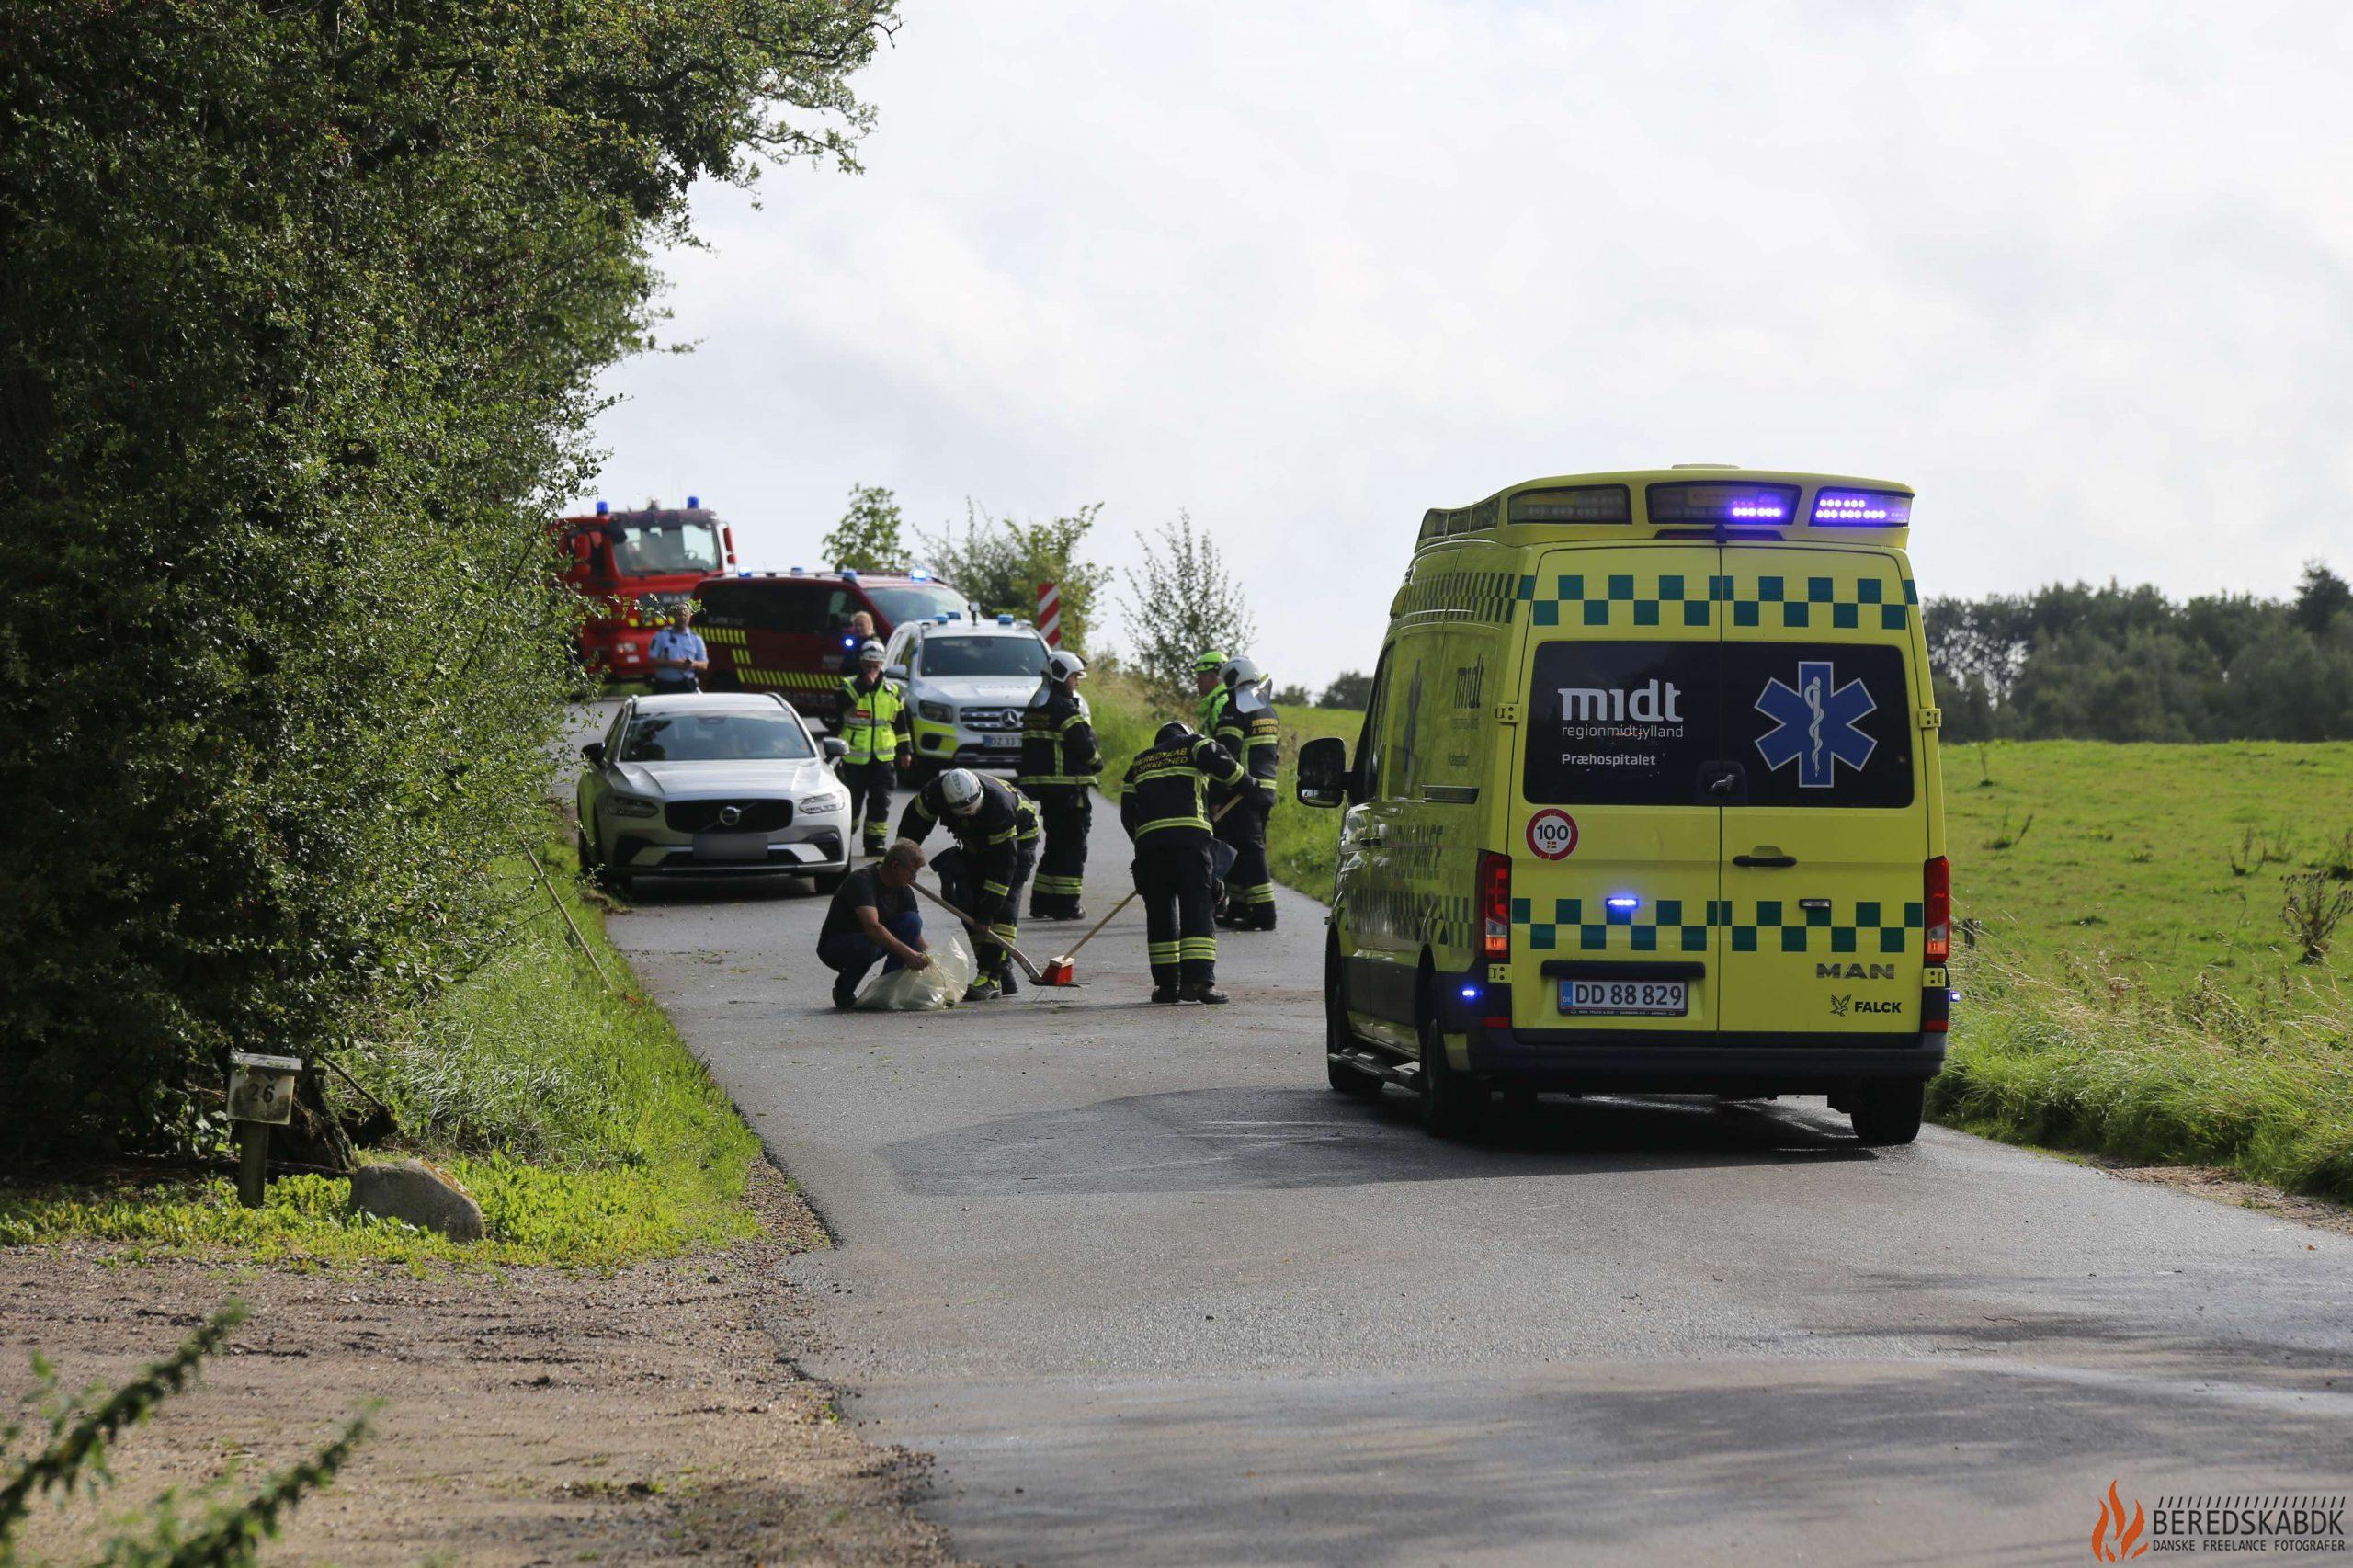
967	685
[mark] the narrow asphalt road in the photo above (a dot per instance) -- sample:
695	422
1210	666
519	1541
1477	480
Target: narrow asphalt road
1151	1293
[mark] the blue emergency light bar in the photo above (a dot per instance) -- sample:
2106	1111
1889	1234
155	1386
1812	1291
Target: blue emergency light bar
1862	508
604	508
1004	621
1714	504
694	503
917	575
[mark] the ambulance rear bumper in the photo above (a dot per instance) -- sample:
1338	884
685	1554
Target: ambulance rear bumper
1658	1061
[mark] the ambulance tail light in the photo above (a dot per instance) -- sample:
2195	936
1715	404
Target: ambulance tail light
1936	903
1495	906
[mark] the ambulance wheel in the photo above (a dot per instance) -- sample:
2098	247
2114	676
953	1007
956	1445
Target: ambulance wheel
1888	1114
1453	1104
1338	1036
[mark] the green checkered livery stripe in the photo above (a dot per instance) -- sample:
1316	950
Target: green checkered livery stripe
1460	595
1679	925
1622	600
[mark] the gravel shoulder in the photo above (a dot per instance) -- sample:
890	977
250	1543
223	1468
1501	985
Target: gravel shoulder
652	1413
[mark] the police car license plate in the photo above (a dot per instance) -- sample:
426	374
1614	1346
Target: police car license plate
1667	999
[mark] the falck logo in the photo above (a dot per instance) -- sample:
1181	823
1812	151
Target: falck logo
1814	725
2117	1539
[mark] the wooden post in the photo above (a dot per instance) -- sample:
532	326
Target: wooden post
253	1141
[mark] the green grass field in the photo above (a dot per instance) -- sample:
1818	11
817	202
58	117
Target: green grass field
2129	984
576	1115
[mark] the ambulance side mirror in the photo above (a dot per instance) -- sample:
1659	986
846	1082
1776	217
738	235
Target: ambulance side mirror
896	672
1324	778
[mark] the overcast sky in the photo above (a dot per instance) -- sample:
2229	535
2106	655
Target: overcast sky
2079	273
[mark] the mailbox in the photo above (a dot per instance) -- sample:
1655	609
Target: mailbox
261	1089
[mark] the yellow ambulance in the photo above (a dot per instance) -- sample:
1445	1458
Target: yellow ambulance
1646	800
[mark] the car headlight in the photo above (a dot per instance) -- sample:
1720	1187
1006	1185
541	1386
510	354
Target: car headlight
822	800
937	713
626	647
632	805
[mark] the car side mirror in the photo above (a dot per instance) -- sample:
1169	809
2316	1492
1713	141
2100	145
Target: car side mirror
894	672
836	748
595	752
1324	778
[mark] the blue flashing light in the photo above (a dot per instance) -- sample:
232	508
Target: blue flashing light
849	573
1469	993
1862	508
604	508
1004	621
1624	900
694	503
743	573
796	572
917	575
850	641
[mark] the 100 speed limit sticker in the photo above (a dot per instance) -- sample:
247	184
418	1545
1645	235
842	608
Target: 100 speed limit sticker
1552	834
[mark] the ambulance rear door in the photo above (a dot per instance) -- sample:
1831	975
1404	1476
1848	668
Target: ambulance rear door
1827	833
1613	832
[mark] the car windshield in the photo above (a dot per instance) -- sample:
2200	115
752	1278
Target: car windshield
714	737
984	655
669	545
901	604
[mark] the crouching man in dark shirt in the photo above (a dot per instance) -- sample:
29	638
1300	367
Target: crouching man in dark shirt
873	916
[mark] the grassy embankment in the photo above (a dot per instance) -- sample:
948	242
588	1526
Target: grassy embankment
574	1114
2132	988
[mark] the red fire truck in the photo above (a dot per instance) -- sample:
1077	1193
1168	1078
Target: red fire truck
635	569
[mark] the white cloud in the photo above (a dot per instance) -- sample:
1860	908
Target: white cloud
2079	274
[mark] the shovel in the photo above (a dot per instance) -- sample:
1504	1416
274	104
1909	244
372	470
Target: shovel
978	929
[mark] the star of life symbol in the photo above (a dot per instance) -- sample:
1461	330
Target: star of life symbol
1814	724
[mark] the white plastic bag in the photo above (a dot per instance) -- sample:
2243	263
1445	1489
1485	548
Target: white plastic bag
939	984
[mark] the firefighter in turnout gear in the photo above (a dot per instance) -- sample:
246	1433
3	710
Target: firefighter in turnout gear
1059	763
1248	731
874	726
1213	691
995	829
1163	808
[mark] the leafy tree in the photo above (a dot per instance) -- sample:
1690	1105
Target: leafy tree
867	538
998	563
2321	597
1351	689
1179	602
2127	663
1293	696
300	314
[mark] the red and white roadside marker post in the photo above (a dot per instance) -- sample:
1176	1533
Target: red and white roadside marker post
1049	614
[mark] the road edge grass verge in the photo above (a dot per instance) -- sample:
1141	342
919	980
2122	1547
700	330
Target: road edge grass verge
573	1111
2089	1055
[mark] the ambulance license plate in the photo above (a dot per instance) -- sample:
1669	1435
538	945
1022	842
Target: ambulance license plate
1651	998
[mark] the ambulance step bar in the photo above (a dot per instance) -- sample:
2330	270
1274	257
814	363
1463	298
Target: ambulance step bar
1375	1064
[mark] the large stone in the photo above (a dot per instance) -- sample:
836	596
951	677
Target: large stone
423	1195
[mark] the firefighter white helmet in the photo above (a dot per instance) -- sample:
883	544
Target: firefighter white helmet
1061	664
870	652
960	791
1237	673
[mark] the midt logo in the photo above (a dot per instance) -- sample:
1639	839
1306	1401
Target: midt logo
1854	971
1654	703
